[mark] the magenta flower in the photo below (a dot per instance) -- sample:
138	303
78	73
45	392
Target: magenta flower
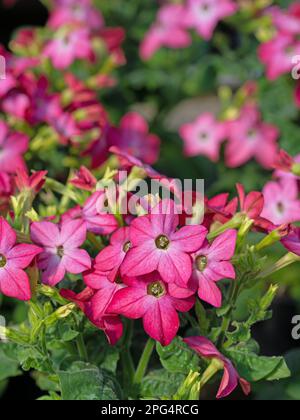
287	21
278	54
75	12
34	182
84	179
14	282
282	205
249	138
203	137
93	304
204	15
148	297
96	218
13	145
158	246
169	30
231	378
292	241
61	252
111	258
212	264
68	47
133	137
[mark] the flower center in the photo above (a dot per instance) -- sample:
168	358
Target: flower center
127	246
205	7
280	207
162	242
201	263
3	261
203	136
252	134
156	289
60	251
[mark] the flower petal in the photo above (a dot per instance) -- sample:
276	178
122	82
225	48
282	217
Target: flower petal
8	236
22	255
15	283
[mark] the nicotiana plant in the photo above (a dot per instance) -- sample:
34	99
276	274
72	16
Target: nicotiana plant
88	276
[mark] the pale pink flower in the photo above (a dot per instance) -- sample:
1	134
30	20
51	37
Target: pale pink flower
14	281
157	245
249	137
148	297
281	202
168	31
231	378
204	15
61	253
203	137
67	47
278	54
287	21
77	12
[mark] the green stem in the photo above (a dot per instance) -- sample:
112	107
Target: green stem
82	348
228	317
144	361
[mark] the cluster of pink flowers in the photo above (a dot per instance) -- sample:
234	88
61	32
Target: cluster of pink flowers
154	264
248	137
279	54
173	22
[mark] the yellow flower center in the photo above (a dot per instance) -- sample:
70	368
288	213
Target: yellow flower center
156	289
162	242
60	251
127	246
3	261
201	263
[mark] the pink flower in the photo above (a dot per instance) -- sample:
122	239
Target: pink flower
292	241
278	54
84	179
61	252
204	15
284	165
94	303
231	378
93	215
158	246
75	12
68	47
203	137
249	138
133	137
287	21
14	282
282	205
111	258
12	147
168	31
212	264
32	182
148	297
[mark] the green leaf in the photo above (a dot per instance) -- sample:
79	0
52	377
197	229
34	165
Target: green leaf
255	368
161	383
177	357
8	365
85	382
